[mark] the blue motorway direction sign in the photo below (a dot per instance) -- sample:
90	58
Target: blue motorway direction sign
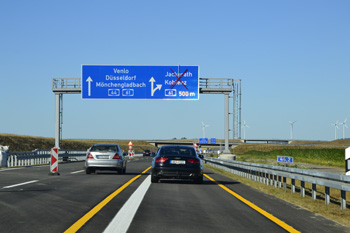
140	82
213	141
203	141
284	159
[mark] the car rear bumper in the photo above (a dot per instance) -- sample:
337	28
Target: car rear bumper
177	173
104	164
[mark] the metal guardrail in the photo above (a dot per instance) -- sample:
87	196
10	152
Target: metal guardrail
276	176
40	156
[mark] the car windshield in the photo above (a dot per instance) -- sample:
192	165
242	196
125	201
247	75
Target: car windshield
174	151
111	148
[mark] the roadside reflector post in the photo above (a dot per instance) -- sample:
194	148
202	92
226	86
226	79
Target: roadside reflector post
347	161
54	162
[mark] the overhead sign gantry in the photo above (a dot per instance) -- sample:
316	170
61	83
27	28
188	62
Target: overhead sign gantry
140	82
147	82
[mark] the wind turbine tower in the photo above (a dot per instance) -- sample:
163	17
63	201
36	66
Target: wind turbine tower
344	125
335	129
244	126
203	128
291	129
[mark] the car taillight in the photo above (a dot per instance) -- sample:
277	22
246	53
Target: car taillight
160	160
116	156
194	161
90	156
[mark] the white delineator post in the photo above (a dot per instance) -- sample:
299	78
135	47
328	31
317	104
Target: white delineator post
54	162
347	161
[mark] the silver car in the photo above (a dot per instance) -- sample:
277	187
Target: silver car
105	157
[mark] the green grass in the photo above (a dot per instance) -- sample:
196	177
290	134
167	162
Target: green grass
325	156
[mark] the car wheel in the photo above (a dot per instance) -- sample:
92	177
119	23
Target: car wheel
199	180
154	179
88	170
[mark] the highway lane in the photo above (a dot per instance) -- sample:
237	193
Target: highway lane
55	203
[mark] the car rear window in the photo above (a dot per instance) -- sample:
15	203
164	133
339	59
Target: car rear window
175	151
104	148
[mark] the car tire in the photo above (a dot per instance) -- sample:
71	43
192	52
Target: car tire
154	179
199	180
88	170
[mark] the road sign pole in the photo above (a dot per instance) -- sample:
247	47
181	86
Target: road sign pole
226	151
58	97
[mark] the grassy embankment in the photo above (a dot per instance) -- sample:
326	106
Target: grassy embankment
19	143
326	153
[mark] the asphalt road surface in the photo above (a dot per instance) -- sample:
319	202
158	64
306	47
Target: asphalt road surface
33	201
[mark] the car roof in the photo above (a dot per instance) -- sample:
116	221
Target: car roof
105	144
177	146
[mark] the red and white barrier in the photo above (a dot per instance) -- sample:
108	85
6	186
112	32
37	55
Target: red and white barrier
54	162
131	154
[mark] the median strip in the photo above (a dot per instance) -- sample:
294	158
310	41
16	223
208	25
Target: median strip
77	225
255	207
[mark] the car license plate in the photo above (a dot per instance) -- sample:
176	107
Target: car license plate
177	162
102	156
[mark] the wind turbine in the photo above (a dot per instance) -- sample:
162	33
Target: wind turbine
335	129
291	129
344	125
244	126
203	128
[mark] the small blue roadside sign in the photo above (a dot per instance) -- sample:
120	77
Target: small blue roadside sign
284	159
203	141
140	82
213	141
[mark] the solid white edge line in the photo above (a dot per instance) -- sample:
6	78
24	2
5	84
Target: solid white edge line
77	172
15	185
123	219
9	169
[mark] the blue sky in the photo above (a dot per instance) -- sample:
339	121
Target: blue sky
293	58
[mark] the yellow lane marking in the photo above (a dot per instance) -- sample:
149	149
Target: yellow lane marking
78	224
255	207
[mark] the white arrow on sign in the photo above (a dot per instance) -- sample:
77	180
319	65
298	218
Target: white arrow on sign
89	80
159	86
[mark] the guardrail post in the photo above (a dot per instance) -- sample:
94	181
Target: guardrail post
302	189
293	186
280	181
275	180
327	196
285	184
271	179
343	200
314	192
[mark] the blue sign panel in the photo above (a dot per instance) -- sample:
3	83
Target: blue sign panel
203	141
284	159
140	82
213	141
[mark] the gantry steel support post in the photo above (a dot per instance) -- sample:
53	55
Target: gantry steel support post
227	151
57	119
